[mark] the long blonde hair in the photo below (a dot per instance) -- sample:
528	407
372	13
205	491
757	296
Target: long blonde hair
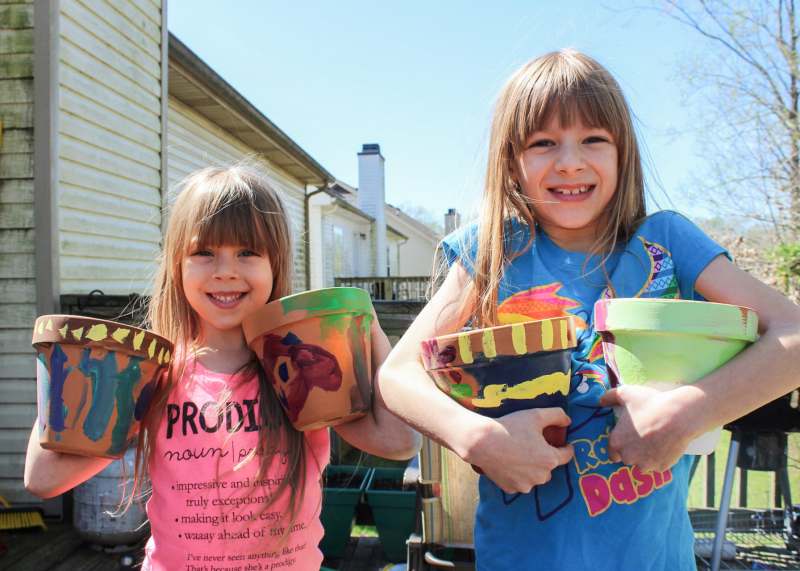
573	86
215	207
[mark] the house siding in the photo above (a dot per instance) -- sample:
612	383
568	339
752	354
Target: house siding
414	254
355	252
194	142
109	190
17	251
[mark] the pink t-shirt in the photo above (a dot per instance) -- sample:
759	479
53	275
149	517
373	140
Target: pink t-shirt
206	513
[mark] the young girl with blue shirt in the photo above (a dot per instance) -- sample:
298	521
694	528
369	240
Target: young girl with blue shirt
563	224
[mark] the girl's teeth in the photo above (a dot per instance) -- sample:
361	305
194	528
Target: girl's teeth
572	191
226	298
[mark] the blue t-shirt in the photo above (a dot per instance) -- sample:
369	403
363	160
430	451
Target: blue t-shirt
593	513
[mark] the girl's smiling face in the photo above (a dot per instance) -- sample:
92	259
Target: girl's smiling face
570	176
224	284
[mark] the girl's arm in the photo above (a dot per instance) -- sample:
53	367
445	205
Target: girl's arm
49	474
380	432
510	450
658	426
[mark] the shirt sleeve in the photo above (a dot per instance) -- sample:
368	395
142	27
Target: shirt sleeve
692	250
462	246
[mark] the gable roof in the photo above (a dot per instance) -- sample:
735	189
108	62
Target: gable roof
195	84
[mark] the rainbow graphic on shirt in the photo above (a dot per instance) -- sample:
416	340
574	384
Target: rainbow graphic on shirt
541	302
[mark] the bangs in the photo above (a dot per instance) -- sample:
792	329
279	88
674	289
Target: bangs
235	224
569	90
230	208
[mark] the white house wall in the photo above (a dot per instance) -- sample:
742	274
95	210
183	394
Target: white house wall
109	145
393	243
415	255
17	276
194	142
357	256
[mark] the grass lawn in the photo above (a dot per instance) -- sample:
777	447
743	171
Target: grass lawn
760	485
364	531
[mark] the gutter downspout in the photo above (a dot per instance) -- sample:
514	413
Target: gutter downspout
308	234
400	243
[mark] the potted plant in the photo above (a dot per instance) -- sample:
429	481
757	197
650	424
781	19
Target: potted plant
343	487
394	506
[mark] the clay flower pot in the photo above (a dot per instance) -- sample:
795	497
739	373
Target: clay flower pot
316	349
665	343
95	379
499	370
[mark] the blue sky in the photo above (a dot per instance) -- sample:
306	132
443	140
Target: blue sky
420	78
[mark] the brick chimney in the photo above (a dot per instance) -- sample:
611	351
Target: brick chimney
452	220
372	200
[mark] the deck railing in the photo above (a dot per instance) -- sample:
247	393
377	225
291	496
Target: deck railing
409	288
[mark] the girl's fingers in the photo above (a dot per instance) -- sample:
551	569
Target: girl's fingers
564	454
610	398
553	417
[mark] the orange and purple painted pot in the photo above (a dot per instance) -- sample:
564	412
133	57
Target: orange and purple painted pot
316	349
95	380
500	370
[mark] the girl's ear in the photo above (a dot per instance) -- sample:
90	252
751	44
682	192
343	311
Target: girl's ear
513	172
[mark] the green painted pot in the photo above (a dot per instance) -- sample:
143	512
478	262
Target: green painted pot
665	343
316	350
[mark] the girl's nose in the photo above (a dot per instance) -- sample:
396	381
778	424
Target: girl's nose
225	267
570	159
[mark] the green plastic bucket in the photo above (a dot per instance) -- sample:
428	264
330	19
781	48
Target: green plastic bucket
394	510
341	492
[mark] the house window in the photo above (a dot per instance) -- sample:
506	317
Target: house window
338	251
356	247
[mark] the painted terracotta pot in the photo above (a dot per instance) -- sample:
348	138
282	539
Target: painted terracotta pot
500	370
316	349
665	343
95	379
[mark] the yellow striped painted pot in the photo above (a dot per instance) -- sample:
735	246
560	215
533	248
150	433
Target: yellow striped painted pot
94	380
499	370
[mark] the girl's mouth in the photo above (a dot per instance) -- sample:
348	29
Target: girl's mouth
226	300
572	192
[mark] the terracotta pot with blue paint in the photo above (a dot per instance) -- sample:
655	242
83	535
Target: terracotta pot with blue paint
665	343
316	349
499	370
94	379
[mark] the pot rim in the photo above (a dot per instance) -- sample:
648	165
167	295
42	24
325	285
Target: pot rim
81	330
472	341
304	305
709	319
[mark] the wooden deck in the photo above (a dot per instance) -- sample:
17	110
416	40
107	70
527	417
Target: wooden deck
61	549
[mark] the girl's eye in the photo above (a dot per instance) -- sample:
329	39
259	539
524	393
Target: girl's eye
541	143
248	253
598	139
202	253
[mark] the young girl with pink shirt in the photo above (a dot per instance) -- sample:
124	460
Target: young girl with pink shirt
233	483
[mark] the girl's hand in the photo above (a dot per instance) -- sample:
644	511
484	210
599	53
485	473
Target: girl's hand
654	427
512	451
